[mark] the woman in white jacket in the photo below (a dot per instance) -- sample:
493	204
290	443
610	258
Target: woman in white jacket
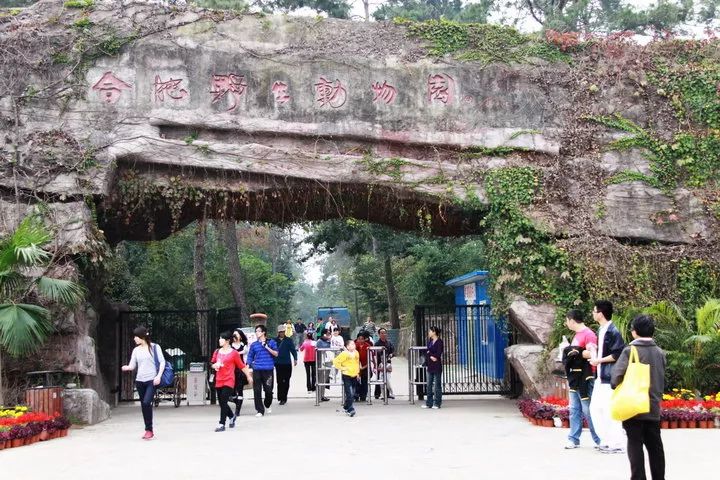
148	374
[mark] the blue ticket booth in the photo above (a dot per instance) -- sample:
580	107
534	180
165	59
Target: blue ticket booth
481	338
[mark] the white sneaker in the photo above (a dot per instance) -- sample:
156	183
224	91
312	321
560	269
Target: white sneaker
571	445
258	415
435	407
423	406
268	410
612	450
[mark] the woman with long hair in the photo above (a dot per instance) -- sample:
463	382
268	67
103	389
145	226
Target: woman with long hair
311	329
433	398
224	361
240	345
148	374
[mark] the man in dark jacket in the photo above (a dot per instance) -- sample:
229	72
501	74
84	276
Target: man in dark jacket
284	364
389	354
644	429
299	332
610	346
322	368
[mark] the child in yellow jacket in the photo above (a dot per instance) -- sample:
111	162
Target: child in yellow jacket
348	362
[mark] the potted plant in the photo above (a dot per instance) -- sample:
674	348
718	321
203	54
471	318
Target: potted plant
62	424
564	414
17	436
716	414
705	419
664	419
673	417
35	429
684	420
3	438
545	413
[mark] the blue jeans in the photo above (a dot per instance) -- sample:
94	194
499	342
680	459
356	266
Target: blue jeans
146	392
434	389
349	385
580	408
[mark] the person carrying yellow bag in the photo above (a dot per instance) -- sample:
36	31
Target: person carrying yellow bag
645	376
631	397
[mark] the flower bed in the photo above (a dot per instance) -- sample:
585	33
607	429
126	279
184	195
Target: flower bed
19	426
676	411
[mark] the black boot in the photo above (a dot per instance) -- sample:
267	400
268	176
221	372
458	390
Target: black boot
238	406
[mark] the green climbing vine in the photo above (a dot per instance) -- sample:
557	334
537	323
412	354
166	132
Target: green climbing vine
502	151
481	42
696	282
688	158
525	260
688	75
692	88
390	167
139	195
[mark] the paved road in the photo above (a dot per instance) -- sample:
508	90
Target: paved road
479	438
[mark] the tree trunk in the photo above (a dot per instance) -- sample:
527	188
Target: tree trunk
391	293
237	283
201	296
366	5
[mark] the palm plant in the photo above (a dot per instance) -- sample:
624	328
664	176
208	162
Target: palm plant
692	345
24	323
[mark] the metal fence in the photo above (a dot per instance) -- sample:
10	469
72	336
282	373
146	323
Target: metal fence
417	372
474	350
328	376
325	374
377	370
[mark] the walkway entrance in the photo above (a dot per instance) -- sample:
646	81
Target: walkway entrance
185	336
474	359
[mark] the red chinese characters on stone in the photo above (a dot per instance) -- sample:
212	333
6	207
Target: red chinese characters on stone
441	88
280	91
384	92
231	85
330	93
110	87
171	88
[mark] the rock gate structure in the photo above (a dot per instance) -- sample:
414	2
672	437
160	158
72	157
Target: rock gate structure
127	120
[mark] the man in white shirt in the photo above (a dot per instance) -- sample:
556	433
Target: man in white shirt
610	346
331	324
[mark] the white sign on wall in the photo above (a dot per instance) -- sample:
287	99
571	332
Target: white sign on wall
196	388
470	293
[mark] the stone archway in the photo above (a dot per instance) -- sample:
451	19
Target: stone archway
166	115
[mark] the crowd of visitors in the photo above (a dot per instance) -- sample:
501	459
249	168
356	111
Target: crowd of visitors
595	364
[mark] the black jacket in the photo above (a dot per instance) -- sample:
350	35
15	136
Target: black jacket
613	344
389	349
648	353
579	371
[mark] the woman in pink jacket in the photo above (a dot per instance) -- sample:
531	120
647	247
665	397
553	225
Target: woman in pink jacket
308	349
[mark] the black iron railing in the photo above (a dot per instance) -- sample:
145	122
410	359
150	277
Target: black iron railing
474	342
185	336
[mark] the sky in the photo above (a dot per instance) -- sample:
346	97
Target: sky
312	269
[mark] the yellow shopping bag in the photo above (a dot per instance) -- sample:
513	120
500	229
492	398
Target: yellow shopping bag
632	396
